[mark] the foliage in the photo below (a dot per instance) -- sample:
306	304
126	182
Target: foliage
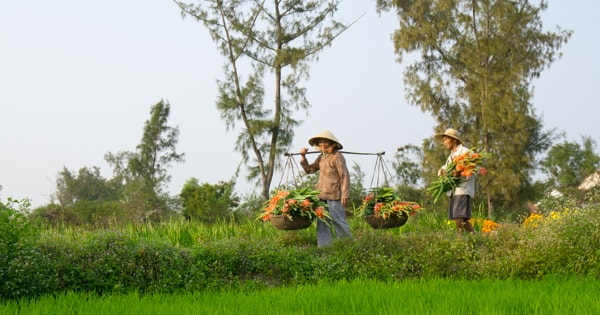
143	173
567	164
90	214
302	202
385	202
357	189
84	198
474	64
87	184
592	196
280	37
551	203
17	236
409	173
14	225
249	205
208	203
460	169
407	165
184	256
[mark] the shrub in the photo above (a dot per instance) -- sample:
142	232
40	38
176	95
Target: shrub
18	257
254	255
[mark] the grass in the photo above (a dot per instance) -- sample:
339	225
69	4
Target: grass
183	233
432	296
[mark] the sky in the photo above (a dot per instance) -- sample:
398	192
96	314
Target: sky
78	78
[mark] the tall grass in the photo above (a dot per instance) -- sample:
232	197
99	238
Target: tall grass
186	233
434	296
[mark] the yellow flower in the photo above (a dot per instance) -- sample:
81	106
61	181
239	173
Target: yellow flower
489	226
533	220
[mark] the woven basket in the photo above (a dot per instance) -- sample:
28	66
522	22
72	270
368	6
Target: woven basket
284	223
393	221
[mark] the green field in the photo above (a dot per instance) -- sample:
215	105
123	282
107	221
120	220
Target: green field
549	296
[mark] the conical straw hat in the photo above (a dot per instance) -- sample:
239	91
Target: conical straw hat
452	133
325	135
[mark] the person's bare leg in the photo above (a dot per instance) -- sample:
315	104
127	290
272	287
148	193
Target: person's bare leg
468	226
459	225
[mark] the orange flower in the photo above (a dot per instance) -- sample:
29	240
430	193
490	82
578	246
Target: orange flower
297	202
320	211
467	173
462	166
489	226
482	170
305	203
377	206
385	202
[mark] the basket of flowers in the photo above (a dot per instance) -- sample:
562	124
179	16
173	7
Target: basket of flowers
382	208
461	168
294	209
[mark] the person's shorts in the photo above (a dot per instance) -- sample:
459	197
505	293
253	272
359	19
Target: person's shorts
460	207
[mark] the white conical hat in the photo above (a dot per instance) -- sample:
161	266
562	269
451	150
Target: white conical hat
325	135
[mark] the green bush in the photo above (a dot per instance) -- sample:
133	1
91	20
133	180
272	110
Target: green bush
19	274
152	258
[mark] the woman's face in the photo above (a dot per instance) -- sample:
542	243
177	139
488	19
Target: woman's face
325	146
449	143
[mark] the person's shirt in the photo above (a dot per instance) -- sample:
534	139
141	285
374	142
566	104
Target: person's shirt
334	177
467	185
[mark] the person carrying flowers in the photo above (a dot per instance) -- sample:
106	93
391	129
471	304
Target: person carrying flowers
460	207
333	184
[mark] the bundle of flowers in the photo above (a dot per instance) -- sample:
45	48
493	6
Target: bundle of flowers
383	202
461	168
296	202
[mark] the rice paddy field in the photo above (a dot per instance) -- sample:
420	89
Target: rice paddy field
433	296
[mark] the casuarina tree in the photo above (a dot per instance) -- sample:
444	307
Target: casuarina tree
143	173
256	38
474	62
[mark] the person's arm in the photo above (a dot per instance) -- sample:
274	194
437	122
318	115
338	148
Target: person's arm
344	175
308	168
442	170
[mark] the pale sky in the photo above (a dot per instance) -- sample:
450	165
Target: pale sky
78	78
